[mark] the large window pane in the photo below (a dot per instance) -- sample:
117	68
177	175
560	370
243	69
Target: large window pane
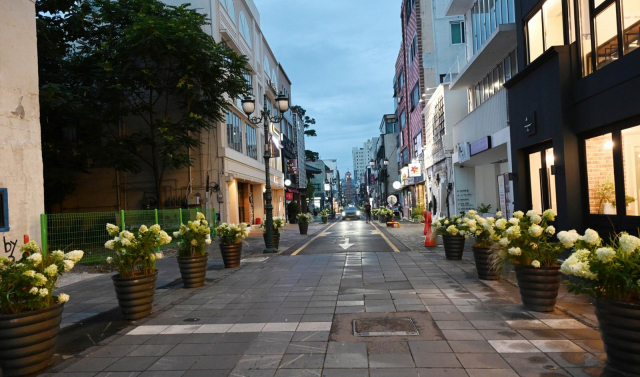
551	179
585	37
553	31
535	171
600	178
631	24
534	36
606	36
572	29
631	160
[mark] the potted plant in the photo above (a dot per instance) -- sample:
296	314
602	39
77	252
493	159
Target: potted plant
324	214
192	255
293	210
278	225
610	273
454	231
524	240
135	259
387	215
482	229
30	314
303	222
231	237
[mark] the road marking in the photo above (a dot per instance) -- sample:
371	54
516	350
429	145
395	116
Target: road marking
393	247
311	240
346	244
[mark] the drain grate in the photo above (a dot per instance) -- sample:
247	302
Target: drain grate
384	327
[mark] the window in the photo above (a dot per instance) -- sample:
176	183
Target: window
234	131
4	210
413	49
493	82
542	181
535	42
252	141
631	161
606	36
400	84
545	29
409	8
600	178
402	119
630	25
228	5
415	96
457	32
245	30
417	145
486	16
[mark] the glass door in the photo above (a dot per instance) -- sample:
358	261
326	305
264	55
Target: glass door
542	182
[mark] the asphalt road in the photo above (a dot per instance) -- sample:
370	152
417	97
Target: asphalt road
349	236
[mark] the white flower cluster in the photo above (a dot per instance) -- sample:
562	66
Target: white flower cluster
63	297
605	254
591	237
74	255
452	230
535	264
518	214
629	243
568	239
535	230
52	270
515	251
113	230
57	255
36	259
513	232
549	215
578	265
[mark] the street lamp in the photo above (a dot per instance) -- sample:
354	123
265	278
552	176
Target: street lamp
249	106
386	162
372	163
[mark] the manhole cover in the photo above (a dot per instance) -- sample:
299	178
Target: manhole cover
384	327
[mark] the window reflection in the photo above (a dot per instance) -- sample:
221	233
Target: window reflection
600	179
553	33
606	36
631	161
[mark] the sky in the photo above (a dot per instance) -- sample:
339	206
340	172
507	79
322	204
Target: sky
340	56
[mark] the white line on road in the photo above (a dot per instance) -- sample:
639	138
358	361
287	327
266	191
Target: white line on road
346	244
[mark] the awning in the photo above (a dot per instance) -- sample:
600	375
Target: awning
292	190
312	170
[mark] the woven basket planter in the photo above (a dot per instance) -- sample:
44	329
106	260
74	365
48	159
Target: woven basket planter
482	256
231	255
538	287
453	247
193	270
135	294
620	331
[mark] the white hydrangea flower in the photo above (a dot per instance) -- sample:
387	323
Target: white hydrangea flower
452	230
200	216
514	221
74	255
68	265
446	222
207	241
518	214
40	280
176	234
63	297
159	255
515	251
499	214
43	292
549	215
29	273
591	237
109	260
535	230
535	264
628	243
52	270
108	245
513	232
504	242
535	218
568	239
113	230
143	229
605	254
550	230
155	229
34	291
58	255
36	259
501	224
126	235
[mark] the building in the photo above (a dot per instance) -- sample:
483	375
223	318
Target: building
350	189
297	172
21	181
481	139
231	155
574	112
359	162
386	163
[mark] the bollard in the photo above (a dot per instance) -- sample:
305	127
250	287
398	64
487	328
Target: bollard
429	240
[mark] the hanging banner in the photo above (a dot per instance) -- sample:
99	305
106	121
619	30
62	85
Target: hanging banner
414	170
404	173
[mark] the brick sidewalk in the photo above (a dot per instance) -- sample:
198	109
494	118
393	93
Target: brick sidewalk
291	316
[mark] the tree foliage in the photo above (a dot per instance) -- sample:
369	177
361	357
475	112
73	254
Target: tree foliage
306	120
311	155
139	81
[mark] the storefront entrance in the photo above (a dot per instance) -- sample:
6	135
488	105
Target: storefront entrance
541	178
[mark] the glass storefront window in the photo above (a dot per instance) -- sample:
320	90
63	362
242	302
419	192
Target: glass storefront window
631	25
606	27
631	161
600	178
550	160
585	36
553	33
534	36
535	167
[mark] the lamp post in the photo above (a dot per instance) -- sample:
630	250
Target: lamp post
249	106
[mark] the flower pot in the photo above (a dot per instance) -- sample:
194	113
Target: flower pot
135	294
28	340
275	240
453	247
538	287
620	331
193	270
231	254
482	255
304	227
388	219
324	219
382	219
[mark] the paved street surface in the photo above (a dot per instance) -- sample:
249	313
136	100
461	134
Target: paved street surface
293	315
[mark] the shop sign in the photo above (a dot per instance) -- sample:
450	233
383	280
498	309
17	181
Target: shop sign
404	173
288	196
504	194
530	123
414	170
292	166
480	145
464	200
464	152
408	181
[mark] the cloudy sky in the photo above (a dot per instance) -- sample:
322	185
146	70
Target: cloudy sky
340	56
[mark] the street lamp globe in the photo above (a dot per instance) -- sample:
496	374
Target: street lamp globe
397	185
287	182
372	163
248	105
282	102
386	162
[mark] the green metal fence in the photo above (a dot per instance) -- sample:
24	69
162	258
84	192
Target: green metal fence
87	231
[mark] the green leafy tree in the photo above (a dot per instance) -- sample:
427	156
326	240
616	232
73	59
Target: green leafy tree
306	120
311	155
152	78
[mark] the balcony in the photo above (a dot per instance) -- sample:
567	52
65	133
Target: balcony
459	7
501	41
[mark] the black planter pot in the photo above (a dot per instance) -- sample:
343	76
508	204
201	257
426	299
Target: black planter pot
193	270
388	219
538	287
453	247
28	340
620	331
324	219
482	255
382	219
275	239
304	227
231	255
135	294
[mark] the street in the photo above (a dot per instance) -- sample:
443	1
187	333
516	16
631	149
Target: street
349	235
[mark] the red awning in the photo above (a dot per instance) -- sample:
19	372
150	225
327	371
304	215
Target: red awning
292	190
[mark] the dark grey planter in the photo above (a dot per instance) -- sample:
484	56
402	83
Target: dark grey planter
193	270
28	340
275	239
538	287
620	331
304	227
135	295
382	219
453	246
231	255
324	219
482	256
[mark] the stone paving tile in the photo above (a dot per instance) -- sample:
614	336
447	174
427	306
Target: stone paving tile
346	361
437	360
302	361
390	361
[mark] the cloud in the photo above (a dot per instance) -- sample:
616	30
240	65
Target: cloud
340	56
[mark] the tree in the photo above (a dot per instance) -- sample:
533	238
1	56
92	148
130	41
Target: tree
153	79
311	155
306	120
